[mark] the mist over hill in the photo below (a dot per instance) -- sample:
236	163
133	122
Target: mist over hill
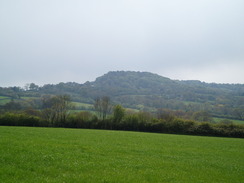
146	91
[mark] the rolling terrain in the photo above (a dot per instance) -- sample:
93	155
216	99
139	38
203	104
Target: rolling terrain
141	91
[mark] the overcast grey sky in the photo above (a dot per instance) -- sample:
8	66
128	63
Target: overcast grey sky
52	41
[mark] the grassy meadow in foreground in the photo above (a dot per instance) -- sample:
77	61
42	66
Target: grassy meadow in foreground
78	155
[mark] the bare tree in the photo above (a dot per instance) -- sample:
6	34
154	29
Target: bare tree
56	108
103	106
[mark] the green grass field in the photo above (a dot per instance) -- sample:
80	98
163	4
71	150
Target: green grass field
79	104
3	97
78	155
233	120
4	100
29	98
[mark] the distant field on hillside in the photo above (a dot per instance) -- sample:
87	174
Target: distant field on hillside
3	97
4	100
233	120
82	105
28	98
78	155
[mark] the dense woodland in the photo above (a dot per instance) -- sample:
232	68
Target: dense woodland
145	102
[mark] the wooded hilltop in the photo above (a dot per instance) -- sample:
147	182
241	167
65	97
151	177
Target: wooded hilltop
149	94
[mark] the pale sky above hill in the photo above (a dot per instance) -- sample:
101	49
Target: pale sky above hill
52	41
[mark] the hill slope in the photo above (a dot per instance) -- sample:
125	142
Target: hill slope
147	91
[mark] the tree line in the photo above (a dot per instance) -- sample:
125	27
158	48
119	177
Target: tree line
142	91
56	112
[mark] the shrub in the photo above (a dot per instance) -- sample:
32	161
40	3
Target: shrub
19	119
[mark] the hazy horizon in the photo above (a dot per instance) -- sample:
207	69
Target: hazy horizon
49	41
42	84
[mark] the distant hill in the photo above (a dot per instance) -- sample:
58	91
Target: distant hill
147	91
